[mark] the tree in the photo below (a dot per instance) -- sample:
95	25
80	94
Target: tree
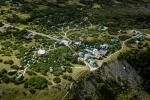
67	77
5	78
32	91
9	62
69	70
1	24
1	60
57	80
36	82
15	67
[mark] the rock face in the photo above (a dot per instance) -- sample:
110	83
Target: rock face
114	78
124	74
121	70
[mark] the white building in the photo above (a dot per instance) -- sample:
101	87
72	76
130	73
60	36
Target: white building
96	53
78	43
64	42
42	52
103	52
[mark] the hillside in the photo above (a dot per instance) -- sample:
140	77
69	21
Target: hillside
114	13
124	79
111	81
74	49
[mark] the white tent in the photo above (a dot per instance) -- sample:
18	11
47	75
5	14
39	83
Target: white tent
42	52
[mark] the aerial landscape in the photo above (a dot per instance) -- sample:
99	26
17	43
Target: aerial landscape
74	49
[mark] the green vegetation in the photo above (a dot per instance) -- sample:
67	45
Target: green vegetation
1	24
71	20
67	77
30	73
1	60
36	82
9	62
57	80
14	67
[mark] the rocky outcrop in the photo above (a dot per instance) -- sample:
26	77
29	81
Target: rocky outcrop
111	79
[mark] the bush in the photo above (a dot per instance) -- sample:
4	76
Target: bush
36	82
12	79
67	77
12	73
25	85
5	79
1	60
57	73
32	91
69	70
9	62
15	67
19	82
57	80
1	24
31	73
3	71
50	83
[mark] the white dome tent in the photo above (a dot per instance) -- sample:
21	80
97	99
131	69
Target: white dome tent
42	52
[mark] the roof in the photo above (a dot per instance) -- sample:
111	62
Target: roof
87	57
77	43
95	52
102	27
41	52
104	46
64	42
114	40
103	52
139	36
93	62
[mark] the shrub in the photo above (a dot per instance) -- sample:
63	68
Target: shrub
14	67
57	80
50	83
5	79
1	24
31	73
36	82
3	71
19	82
32	91
1	60
12	72
67	77
25	85
69	70
9	62
12	79
57	73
